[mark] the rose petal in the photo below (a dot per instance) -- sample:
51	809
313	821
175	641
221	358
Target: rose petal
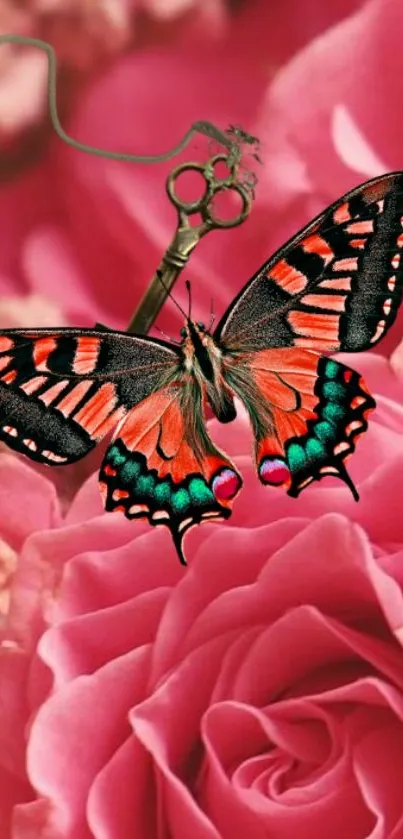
78	720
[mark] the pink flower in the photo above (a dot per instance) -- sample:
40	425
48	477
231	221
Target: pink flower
258	690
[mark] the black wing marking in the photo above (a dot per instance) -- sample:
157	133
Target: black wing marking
337	285
63	390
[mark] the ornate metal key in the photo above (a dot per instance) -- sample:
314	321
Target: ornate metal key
187	235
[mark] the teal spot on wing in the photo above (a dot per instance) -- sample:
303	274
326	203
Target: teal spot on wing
318	452
184	501
145	484
324	431
334	391
162	492
296	456
331	369
130	471
115	457
314	449
180	500
333	412
199	491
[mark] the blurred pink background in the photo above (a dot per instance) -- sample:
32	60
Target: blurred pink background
90	603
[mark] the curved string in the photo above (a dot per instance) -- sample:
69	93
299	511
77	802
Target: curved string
198	127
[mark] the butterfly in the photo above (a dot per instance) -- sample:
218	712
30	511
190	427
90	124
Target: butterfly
336	285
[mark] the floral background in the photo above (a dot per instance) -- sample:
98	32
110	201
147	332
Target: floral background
259	692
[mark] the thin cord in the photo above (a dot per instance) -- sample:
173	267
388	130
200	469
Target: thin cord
199	127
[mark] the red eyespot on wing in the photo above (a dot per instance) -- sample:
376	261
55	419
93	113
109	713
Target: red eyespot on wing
109	471
274	471
225	485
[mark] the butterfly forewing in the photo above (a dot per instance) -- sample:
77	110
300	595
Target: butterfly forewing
62	391
336	285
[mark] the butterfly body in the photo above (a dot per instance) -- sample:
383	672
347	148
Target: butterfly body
336	285
203	361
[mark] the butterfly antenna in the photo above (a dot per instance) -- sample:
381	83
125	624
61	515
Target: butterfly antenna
212	314
161	331
189	290
160	277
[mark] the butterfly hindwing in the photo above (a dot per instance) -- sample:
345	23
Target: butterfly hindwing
336	285
306	412
162	465
62	391
342	410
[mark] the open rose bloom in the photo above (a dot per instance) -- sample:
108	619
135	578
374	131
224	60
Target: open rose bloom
257	693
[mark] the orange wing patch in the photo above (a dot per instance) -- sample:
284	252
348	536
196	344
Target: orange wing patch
86	355
315	326
163	466
316	244
157	429
42	349
342	213
98	408
282	392
288	278
306	411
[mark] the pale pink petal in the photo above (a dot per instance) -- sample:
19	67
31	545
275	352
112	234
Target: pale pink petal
30	310
352	147
22	91
52	270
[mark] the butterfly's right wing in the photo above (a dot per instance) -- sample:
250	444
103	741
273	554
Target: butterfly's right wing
63	390
307	412
335	286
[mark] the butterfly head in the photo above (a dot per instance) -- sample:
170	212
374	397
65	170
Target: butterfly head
192	327
199	348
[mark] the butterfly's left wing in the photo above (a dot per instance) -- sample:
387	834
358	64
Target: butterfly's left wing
336	285
306	411
63	390
162	465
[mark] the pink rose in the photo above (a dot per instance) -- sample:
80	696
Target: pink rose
258	690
